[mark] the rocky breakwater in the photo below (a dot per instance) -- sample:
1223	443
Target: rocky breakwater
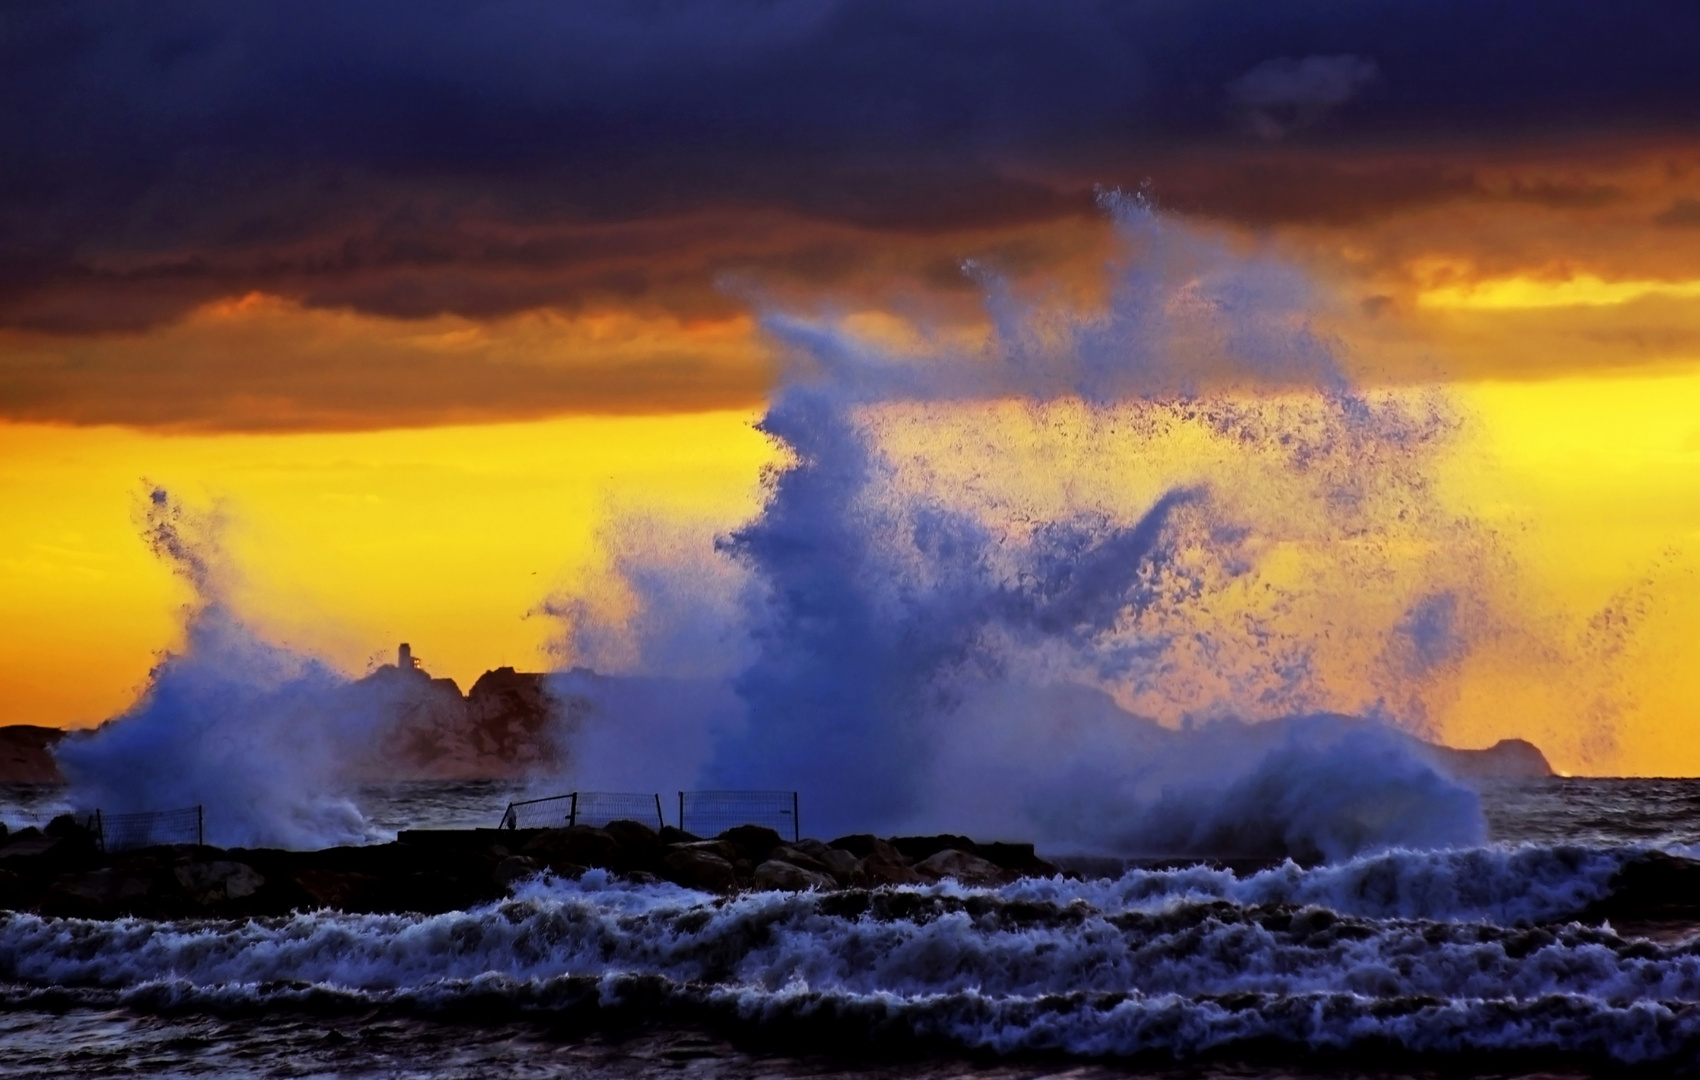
753	857
61	871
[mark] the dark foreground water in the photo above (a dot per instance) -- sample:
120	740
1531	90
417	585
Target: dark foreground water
1400	964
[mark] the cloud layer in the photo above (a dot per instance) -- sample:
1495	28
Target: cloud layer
407	161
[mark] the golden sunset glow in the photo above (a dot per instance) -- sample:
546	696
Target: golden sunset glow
1583	290
340	544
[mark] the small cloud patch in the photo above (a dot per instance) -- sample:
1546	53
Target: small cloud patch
1284	95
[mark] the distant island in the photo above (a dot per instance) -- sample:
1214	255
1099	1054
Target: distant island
504	728
499	729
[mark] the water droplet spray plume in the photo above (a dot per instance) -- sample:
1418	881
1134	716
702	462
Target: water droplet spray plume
963	617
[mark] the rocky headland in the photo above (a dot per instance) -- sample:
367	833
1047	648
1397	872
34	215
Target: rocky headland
26	755
1507	759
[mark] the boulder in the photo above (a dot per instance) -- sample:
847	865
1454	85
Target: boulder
1020	859
869	846
798	858
810	846
871	873
696	866
777	874
840	864
580	845
916	848
640	847
340	889
214	882
966	868
27	842
722	848
753	841
95	892
515	868
670	835
631	832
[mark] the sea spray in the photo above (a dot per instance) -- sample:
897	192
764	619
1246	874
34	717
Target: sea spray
264	738
1175	507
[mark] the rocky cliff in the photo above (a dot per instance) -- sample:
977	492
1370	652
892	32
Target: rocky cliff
1507	759
26	755
507	725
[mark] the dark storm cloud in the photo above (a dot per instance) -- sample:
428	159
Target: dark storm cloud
428	156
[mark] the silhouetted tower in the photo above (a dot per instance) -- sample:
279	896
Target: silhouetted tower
404	658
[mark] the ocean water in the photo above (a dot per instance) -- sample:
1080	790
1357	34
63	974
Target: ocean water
1397	964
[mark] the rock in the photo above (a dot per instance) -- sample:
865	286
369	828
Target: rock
669	835
869	846
695	866
840	864
214	882
776	874
1507	759
580	845
965	868
810	846
722	848
515	868
1019	859
798	858
753	841
640	847
28	842
96	891
340	889
917	848
640	877
75	841
632	833
26	755
871	873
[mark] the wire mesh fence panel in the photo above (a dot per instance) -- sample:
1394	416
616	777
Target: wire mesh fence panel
148	828
554	812
710	813
600	807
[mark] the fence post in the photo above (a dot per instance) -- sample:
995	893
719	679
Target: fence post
200	825
660	822
796	825
572	811
682	812
100	831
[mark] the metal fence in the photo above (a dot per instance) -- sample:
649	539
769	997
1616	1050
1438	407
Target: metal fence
583	808
710	813
149	828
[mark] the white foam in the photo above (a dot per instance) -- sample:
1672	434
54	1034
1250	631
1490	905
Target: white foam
1418	949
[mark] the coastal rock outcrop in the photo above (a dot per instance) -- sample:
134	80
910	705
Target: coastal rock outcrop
1507	759
26	755
506	725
